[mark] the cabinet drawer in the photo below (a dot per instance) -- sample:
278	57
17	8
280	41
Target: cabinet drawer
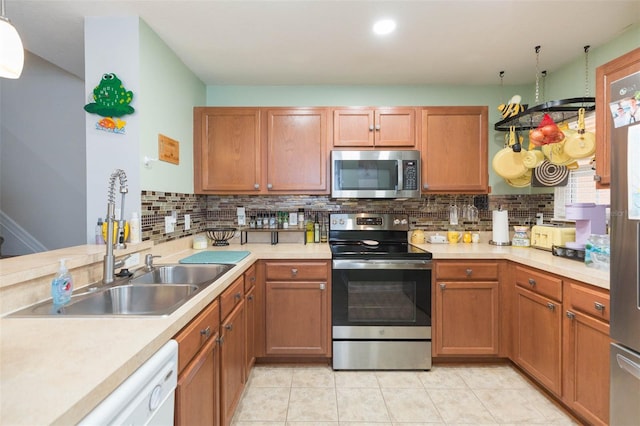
195	334
588	300
485	271
539	282
296	271
249	278
231	297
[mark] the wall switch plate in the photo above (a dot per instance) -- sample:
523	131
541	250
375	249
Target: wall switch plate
133	260
187	222
169	224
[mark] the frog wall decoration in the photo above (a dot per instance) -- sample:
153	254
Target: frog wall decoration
111	99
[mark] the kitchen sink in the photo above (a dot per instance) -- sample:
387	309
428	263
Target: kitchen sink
182	274
158	292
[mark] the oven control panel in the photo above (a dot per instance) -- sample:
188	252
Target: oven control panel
368	221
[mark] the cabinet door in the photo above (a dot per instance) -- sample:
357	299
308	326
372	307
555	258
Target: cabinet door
395	127
467	318
227	155
250	336
198	389
297	318
537	339
605	74
369	127
586	367
232	362
353	127
297	150
454	150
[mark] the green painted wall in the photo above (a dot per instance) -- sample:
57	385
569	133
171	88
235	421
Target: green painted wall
168	93
567	82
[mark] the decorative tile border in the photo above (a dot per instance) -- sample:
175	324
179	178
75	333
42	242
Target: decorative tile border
430	213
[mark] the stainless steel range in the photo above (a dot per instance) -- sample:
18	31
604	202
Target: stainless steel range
381	294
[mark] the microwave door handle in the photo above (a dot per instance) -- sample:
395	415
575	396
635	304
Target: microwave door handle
399	173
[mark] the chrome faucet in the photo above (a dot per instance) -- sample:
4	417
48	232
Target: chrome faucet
109	262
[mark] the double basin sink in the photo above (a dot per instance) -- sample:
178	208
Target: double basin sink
158	292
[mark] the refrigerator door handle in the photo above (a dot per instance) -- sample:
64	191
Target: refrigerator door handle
629	366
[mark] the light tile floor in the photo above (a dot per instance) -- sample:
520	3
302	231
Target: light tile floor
446	395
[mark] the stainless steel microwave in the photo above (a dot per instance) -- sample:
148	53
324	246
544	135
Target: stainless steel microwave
375	174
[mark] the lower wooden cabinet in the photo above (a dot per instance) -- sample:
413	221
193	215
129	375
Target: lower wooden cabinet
232	361
467	308
586	352
198	389
297	309
537	345
467	318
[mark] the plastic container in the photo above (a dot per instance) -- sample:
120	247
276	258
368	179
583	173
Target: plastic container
99	239
134	229
597	252
62	285
200	242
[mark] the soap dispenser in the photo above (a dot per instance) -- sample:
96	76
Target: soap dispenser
62	285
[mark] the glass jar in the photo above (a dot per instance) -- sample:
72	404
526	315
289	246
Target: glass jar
597	252
521	237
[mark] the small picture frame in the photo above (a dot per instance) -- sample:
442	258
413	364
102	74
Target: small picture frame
168	149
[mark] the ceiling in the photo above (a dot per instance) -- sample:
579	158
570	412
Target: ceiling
330	42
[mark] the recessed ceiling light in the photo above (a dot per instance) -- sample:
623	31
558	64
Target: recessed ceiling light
384	26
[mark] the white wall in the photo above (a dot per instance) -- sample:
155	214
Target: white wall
112	46
42	170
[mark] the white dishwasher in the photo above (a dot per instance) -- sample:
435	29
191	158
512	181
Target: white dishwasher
146	397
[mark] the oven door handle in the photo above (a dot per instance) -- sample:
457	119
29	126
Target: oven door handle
381	264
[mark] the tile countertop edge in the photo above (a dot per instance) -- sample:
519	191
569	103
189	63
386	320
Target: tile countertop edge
26	367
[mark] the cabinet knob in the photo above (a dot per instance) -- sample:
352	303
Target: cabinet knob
597	178
371	128
229	327
322	286
425	186
220	340
237	296
570	315
250	297
551	306
256	185
377	127
294	272
532	282
269	186
469	271
599	306
252	279
206	333
443	286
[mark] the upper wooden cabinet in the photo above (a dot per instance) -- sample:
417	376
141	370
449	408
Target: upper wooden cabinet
454	150
297	151
227	154
260	150
375	127
605	74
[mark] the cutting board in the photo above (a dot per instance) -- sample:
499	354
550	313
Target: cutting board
216	257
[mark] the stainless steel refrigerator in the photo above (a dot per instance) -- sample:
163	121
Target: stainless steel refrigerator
622	99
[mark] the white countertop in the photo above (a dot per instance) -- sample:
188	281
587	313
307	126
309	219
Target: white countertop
55	370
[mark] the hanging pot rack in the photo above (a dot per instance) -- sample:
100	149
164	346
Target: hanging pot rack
559	110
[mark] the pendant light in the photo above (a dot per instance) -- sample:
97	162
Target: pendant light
11	50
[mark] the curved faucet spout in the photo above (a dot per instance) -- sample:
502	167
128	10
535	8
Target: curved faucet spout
109	263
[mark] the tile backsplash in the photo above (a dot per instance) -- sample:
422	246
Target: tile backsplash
430	213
